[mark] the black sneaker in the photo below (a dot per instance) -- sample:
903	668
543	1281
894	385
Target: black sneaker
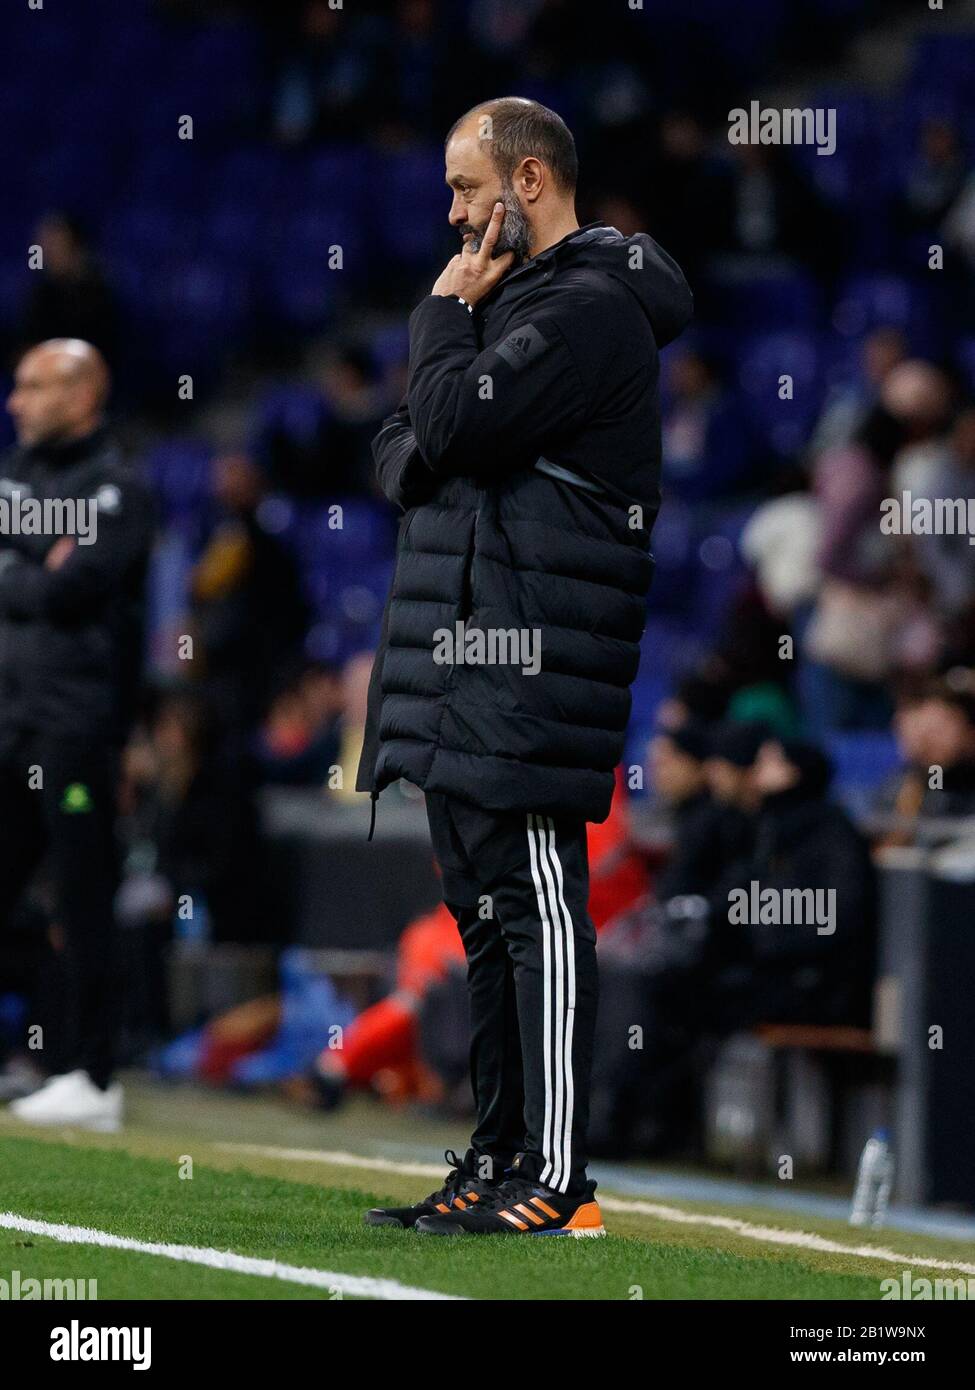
520	1206
462	1190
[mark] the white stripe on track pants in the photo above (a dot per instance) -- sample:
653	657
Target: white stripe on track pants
519	887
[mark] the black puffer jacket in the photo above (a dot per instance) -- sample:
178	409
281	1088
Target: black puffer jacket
560	364
71	638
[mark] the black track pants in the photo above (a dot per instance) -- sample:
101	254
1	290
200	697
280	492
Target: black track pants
69	818
518	886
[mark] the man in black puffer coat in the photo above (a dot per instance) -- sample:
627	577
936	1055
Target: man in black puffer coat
71	646
526	458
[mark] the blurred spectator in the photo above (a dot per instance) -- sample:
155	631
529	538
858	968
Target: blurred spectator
334	458
804	840
847	408
782	541
919	396
732	750
248	612
418	86
298	745
69	297
194	863
949	560
775	211
934	178
356	406
959	226
619	212
705	440
847	634
702	973
355	696
689	192
678	778
327	75
939	742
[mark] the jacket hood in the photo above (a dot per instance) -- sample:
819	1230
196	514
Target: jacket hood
641	265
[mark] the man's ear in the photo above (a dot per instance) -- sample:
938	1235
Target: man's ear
530	178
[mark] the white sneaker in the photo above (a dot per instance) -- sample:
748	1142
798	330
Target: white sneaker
72	1099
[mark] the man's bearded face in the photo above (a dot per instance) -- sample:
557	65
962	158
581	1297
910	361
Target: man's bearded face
515	232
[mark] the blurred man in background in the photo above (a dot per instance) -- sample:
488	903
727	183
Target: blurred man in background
690	970
677	761
806	973
71	613
247	607
936	732
70	296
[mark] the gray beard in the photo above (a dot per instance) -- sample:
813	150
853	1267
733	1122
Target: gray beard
515	232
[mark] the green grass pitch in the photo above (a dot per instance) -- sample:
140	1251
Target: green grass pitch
283	1208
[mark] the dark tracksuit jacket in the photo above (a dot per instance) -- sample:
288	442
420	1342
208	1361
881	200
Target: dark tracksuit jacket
526	459
70	657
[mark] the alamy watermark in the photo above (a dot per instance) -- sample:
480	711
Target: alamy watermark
24	515
492	646
78	1343
783	907
914	1289
807	125
18	1289
908	515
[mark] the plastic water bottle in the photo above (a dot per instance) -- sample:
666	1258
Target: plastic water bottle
875	1178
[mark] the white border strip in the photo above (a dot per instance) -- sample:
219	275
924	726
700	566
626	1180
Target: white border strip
775	1235
548	1123
359	1286
770	1235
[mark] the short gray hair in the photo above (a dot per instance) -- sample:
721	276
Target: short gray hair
521	129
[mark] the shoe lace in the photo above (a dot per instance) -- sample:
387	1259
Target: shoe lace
507	1193
455	1179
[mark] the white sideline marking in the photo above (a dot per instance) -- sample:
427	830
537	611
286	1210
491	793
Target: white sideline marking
774	1235
337	1157
355	1284
771	1235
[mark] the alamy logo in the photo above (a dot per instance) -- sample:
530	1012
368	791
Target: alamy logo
77	1343
913	1289
17	1289
793	126
908	515
493	646
756	906
24	515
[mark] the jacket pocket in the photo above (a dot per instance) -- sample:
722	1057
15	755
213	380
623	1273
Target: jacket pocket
467	577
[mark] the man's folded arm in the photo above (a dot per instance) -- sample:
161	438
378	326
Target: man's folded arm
469	406
403	476
76	590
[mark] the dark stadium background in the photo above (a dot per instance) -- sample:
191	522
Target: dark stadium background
212	259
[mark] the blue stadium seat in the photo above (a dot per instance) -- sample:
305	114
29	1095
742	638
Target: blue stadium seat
413	185
294	409
179	471
787	301
870	301
765	358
